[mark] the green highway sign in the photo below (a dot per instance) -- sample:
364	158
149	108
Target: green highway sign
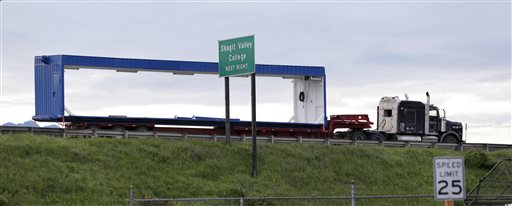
236	56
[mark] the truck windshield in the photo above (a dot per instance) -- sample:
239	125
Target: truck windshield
433	113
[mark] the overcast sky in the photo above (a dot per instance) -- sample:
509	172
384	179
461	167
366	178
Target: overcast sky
458	51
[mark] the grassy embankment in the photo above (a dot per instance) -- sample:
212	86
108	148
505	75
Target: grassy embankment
53	171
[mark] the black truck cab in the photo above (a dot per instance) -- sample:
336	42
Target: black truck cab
407	120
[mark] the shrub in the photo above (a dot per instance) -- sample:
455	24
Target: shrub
476	158
3	201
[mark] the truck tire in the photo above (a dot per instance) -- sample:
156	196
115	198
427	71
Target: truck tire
378	137
94	127
450	139
357	135
142	129
118	128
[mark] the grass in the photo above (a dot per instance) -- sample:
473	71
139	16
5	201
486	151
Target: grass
42	170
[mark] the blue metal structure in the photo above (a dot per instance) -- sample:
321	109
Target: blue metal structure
49	77
49	88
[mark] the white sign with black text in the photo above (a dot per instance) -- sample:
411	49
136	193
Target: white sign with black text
449	181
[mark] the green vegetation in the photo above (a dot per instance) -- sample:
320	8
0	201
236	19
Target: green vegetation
53	171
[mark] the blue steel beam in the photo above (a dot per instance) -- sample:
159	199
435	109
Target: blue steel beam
71	61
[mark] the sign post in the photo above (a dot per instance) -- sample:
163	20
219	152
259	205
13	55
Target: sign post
228	127
449	181
236	58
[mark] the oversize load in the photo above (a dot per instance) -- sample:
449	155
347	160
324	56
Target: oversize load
449	181
236	56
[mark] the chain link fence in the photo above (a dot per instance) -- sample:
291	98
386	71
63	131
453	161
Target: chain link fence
422	199
495	187
292	201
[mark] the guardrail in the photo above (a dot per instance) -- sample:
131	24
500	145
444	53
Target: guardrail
166	135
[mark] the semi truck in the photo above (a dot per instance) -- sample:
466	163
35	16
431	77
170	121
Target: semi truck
397	120
400	120
406	120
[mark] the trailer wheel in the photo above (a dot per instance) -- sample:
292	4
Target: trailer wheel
118	128
357	135
450	139
340	135
378	136
94	127
142	129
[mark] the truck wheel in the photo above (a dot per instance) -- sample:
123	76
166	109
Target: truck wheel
118	128
450	139
357	135
94	127
378	136
142	129
339	135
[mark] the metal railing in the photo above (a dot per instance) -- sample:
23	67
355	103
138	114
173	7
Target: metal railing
59	132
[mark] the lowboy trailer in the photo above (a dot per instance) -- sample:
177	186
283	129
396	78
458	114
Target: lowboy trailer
401	120
397	120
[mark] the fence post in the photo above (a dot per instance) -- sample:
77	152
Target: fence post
132	201
125	134
215	137
353	192
241	201
271	139
461	147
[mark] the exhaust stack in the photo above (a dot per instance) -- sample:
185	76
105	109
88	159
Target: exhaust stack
427	111
466	132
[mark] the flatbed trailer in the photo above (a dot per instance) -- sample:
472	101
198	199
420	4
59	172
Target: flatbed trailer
210	126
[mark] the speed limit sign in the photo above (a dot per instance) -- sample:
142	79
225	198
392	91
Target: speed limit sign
449	178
